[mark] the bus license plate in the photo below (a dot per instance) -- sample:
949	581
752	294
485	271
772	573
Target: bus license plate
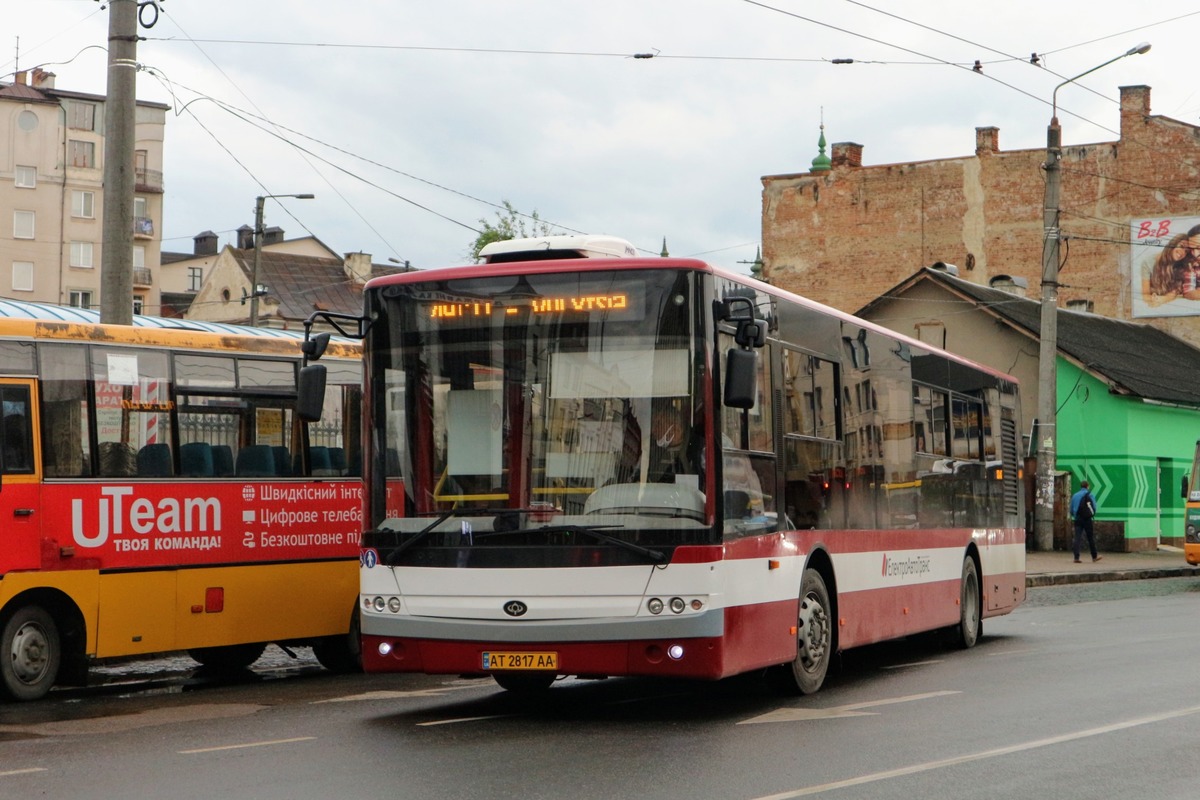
536	661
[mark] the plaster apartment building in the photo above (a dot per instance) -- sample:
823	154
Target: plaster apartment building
843	233
52	194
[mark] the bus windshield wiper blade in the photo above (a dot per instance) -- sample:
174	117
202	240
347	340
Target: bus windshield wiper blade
441	517
593	531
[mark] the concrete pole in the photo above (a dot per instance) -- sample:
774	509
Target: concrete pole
120	115
1043	510
258	245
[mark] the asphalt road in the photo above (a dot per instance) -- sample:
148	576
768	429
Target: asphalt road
1084	692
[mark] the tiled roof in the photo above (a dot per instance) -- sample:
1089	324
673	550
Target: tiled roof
303	284
1134	358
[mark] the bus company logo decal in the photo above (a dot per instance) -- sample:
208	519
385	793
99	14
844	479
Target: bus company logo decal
515	608
118	513
905	567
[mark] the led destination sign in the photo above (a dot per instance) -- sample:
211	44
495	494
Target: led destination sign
619	304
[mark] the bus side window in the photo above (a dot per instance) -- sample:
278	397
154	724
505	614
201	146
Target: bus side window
18	434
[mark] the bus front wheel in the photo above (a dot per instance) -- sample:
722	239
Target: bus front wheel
814	634
30	653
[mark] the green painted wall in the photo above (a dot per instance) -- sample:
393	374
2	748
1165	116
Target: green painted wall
1117	444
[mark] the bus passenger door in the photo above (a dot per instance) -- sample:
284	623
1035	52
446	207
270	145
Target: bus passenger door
20	476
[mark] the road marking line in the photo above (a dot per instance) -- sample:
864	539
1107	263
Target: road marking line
461	719
271	743
983	755
914	664
26	771
837	712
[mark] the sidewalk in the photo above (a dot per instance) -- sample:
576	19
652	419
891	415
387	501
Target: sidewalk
1057	568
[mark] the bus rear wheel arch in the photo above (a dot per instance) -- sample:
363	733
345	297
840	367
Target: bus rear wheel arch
30	652
228	658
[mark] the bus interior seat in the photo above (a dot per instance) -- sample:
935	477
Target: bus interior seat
318	458
196	460
222	459
337	460
154	461
283	460
256	461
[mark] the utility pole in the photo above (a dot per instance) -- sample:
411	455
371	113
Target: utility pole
120	115
1047	428
255	291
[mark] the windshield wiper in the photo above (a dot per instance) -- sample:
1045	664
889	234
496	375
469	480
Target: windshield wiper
593	531
441	517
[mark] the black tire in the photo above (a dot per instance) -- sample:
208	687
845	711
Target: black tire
342	653
970	623
228	658
525	682
814	634
30	653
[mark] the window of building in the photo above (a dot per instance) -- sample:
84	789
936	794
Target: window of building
23	227
139	257
81	254
195	277
139	304
22	280
25	177
80	298
83	204
81	116
81	154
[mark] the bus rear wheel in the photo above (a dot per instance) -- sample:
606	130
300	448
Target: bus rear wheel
966	633
229	658
814	635
30	653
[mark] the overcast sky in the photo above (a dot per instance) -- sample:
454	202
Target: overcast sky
419	119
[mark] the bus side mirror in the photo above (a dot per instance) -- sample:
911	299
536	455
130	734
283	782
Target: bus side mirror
741	378
1183	486
315	347
310	392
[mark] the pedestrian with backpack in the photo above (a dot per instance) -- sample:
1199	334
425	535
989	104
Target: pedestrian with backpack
1083	510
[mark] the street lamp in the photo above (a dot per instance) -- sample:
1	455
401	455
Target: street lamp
1047	436
258	245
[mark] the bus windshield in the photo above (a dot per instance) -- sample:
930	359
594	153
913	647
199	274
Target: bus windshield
539	410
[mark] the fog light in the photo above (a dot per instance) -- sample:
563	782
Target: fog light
677	605
385	648
675	651
654	605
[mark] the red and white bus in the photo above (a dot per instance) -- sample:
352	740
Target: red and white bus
159	493
613	466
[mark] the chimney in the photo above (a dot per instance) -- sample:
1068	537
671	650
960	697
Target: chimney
1010	284
245	237
204	244
272	235
41	79
1135	107
847	154
987	140
19	78
357	266
942	266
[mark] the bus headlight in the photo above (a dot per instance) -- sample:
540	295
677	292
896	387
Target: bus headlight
677	605
654	605
393	605
379	604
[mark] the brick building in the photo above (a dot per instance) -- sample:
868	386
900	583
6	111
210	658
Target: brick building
843	233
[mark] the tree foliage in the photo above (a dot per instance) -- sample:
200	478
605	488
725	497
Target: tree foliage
509	224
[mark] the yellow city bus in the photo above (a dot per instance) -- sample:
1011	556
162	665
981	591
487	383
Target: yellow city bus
1191	511
159	493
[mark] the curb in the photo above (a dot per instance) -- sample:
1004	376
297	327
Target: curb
1065	578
